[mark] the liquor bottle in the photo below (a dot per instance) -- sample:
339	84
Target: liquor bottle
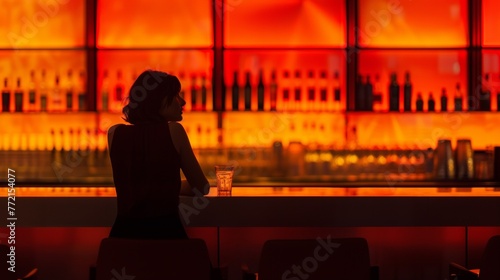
32	92
369	94
194	94
431	103
444	100
485	94
286	90
203	106
359	100
105	91
377	94
82	92
458	98
248	92
323	90
18	96
235	92
119	91
297	91
336	91
56	95
6	96
69	91
273	91
407	93
43	92
311	90
260	92
394	93
420	103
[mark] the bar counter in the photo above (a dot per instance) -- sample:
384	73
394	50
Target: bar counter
274	206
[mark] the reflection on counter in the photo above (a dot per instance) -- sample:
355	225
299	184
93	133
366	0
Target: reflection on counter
274	191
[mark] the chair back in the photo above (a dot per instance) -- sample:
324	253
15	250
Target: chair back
490	261
313	259
121	258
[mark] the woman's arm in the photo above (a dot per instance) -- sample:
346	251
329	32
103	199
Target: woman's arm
196	183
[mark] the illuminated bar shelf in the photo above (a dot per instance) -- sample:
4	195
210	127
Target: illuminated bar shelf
294	72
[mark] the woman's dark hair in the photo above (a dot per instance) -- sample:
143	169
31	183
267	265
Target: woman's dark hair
146	96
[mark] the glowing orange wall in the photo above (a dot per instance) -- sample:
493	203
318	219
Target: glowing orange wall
285	23
406	23
154	24
42	24
491	23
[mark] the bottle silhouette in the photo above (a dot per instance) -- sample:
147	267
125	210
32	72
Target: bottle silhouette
69	91
394	93
6	96
235	92
444	100
407	92
485	94
360	96
431	103
56	95
458	98
32	91
273	91
260	92
323	90
311	90
43	92
369	94
336	87
248	92
195	106
420	103
18	96
119	91
105	91
286	90
377	94
203	106
82	91
297	91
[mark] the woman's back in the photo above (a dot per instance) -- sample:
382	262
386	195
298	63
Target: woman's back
146	170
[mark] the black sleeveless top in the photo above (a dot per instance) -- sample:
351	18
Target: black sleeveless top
146	173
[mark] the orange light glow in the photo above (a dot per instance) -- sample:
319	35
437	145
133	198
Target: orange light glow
42	24
154	24
281	191
420	131
491	22
406	23
284	23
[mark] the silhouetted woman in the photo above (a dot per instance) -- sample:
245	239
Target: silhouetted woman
147	156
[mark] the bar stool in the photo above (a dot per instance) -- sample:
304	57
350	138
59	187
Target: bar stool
489	268
121	258
321	258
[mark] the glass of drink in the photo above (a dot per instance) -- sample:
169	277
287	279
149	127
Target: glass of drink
224	174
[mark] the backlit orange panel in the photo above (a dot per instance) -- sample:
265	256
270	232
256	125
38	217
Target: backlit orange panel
430	72
491	67
491	22
419	131
151	23
42	24
407	23
285	23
